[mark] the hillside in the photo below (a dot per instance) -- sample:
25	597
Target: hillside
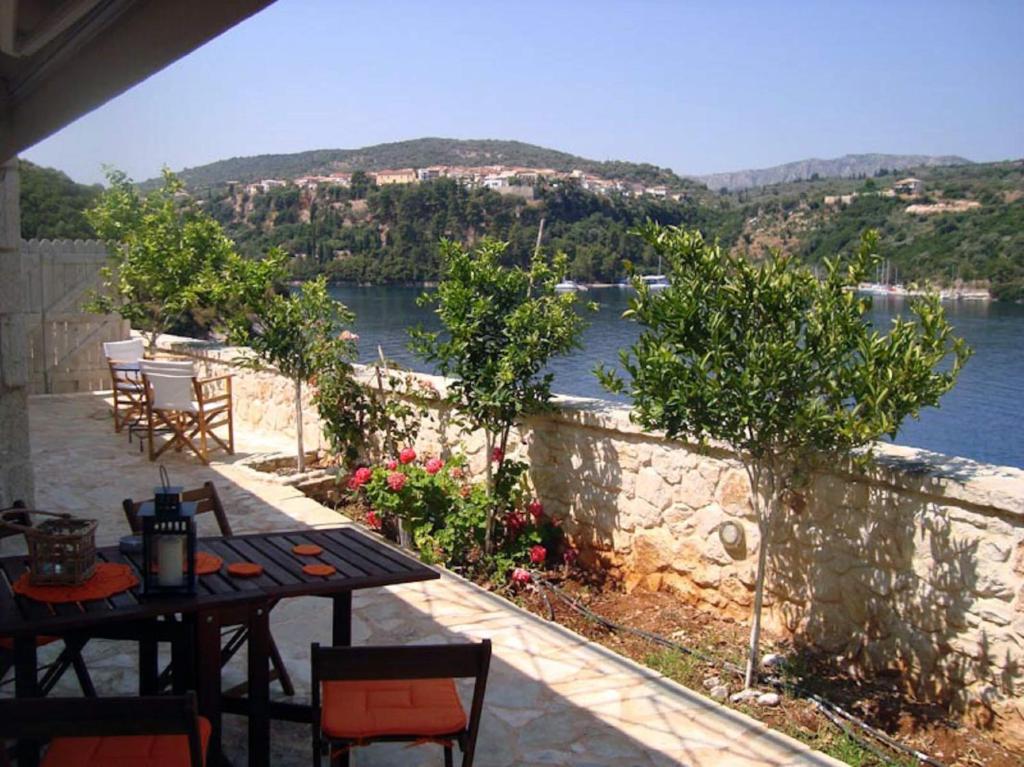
847	166
52	204
419	153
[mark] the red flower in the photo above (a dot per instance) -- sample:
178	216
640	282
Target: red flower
521	576
538	554
456	472
514	523
361	477
396	480
497	455
569	556
536	509
373	521
434	465
407	456
465	491
392	464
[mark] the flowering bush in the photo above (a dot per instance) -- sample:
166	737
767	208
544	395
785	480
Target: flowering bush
446	514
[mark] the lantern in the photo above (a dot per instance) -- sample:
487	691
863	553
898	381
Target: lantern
168	544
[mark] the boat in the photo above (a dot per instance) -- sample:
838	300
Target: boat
655	281
568	286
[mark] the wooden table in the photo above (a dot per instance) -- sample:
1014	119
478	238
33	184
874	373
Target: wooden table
361	562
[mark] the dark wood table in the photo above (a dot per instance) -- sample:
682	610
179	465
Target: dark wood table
221	600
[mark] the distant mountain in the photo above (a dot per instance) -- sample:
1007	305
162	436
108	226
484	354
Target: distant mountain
847	166
419	153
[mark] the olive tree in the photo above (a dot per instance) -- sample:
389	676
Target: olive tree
777	363
501	327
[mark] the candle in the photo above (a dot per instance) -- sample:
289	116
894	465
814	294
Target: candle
170	560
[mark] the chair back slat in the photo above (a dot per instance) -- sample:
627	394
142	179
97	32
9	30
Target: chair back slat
102	717
131	350
168	367
206	499
406	662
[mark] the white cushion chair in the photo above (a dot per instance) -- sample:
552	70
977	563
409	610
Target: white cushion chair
187	408
123	359
168	367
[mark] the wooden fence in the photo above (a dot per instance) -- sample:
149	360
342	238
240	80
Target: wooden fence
65	342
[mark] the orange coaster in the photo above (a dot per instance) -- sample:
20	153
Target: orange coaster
323	570
307	550
207	563
110	578
245	569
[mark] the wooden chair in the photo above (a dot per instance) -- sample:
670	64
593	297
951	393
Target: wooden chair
123	359
70	657
162	730
188	408
374	694
208	502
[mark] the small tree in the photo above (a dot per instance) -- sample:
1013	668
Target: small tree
169	259
781	366
501	328
301	334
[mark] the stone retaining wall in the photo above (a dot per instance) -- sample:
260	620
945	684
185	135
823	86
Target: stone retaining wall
916	564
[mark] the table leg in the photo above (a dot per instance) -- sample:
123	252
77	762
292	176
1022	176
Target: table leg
26	685
149	666
259	686
342	621
207	644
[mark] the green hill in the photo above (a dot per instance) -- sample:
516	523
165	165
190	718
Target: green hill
52	204
419	153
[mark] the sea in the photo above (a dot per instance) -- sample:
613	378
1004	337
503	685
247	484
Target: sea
982	418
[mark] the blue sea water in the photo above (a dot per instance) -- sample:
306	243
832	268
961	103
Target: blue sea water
980	419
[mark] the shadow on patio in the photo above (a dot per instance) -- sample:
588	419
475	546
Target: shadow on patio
553	697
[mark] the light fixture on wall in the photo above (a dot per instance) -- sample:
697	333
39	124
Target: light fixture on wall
730	534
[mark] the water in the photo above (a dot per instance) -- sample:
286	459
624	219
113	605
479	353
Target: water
980	419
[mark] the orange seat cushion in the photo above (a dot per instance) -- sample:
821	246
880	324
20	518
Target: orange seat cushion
357	710
125	751
7	643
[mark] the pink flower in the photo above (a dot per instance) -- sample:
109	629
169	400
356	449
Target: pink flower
497	455
514	523
465	491
538	554
434	465
408	455
392	464
396	480
362	476
373	521
348	335
569	556
456	472
536	509
521	576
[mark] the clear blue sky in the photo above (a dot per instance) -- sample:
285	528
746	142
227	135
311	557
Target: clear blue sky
695	86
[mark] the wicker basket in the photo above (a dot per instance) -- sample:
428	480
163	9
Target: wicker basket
61	550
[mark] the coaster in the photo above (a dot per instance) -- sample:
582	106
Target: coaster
110	578
245	569
307	550
323	570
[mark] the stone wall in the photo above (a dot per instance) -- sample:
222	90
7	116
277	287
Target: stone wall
916	564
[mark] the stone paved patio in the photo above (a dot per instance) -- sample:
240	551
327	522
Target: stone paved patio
553	698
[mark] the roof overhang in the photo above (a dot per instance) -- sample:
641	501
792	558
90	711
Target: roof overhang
60	59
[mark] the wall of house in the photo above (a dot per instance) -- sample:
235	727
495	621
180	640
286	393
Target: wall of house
915	564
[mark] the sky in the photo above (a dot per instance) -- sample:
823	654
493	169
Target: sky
699	87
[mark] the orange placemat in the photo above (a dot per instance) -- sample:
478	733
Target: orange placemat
110	578
307	550
244	569
323	570
206	563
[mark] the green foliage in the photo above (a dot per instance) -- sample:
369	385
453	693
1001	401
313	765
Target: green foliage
501	327
778	364
52	205
170	261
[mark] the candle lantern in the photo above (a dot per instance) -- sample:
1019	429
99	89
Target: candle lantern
168	543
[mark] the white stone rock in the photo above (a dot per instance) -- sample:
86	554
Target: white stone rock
768	699
773	660
712	682
719	693
743	696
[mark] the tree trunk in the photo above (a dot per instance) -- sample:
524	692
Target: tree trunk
301	458
488	533
764	519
